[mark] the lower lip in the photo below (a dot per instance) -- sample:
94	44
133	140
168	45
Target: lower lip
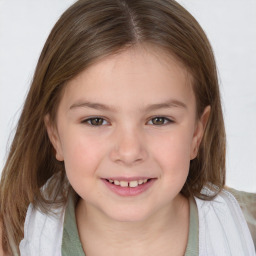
128	191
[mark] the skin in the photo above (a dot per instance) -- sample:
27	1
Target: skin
130	143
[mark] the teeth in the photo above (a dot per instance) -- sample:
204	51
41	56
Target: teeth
116	182
123	183
131	184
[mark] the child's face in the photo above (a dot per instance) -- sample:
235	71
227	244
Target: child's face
127	92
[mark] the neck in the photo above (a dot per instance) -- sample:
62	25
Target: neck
166	228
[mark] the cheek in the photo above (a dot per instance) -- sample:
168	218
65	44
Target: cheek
82	156
172	152
173	147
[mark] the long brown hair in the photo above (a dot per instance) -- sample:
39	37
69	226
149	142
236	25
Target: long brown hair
87	31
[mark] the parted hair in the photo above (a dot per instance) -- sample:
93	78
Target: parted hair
88	31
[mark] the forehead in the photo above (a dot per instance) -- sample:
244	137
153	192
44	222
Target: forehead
138	75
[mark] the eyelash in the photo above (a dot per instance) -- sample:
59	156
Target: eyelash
89	121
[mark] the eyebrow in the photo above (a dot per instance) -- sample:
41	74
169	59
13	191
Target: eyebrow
99	106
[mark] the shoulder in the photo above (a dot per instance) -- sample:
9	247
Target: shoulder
222	224
42	232
223	205
247	202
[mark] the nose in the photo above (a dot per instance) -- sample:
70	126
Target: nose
129	147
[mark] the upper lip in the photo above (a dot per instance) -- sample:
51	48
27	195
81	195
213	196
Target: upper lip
128	178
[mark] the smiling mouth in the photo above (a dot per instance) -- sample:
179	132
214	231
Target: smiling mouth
126	187
131	184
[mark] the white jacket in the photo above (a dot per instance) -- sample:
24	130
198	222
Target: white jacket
223	230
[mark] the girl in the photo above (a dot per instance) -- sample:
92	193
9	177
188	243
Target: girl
120	148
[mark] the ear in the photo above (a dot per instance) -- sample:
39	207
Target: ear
54	137
199	132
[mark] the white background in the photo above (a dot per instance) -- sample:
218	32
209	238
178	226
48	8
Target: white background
230	26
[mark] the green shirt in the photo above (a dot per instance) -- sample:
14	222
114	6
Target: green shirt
71	244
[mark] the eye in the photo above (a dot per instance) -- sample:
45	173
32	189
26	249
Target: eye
159	120
95	121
